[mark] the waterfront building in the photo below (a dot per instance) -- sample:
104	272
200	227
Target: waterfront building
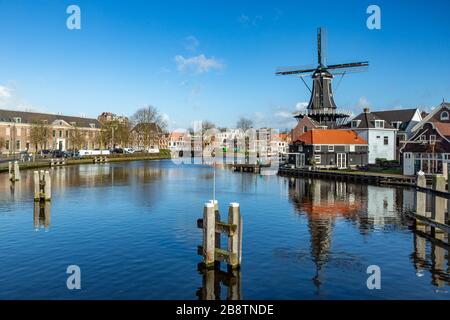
429	146
33	131
148	136
178	141
379	134
403	120
331	148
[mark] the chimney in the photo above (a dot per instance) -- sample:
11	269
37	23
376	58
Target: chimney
366	110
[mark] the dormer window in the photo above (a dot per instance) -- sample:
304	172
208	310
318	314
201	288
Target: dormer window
17	119
73	124
355	123
379	123
445	115
396	124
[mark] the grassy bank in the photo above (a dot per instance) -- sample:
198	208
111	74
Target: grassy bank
163	154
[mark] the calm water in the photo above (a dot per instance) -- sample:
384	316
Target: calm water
131	227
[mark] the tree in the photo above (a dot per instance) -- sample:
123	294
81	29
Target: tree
149	114
244	124
149	126
76	138
115	132
2	144
207	125
39	133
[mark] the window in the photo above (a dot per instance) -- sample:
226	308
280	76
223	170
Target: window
355	123
396	124
17	120
54	133
18	145
330	148
27	146
432	138
73	123
92	125
444	115
379	123
423	137
317	148
305	128
60	133
378	137
317	159
7	144
386	141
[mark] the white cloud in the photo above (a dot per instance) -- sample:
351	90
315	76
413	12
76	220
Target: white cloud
301	106
5	92
246	20
363	103
191	43
198	64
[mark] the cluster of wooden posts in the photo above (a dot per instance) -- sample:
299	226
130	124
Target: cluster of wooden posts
42	186
438	215
57	162
13	171
211	249
100	159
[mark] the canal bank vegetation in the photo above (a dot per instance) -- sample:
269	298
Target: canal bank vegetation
161	155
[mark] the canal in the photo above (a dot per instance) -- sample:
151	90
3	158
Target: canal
131	228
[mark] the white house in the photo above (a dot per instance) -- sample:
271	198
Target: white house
378	133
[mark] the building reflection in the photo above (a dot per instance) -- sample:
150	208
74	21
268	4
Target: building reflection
42	214
213	280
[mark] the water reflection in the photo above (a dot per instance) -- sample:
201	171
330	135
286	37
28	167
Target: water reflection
214	279
371	209
42	214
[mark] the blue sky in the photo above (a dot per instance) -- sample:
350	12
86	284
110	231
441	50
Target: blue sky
216	59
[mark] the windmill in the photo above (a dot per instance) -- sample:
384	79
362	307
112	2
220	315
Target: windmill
321	106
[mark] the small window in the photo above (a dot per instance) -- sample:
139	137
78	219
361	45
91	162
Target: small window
330	148
423	138
386	141
60	133
17	119
355	123
317	159
305	128
444	115
54	133
18	145
7	144
432	139
317	148
379	123
378	137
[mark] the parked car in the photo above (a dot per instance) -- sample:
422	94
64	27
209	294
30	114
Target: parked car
72	154
58	154
46	153
129	150
117	150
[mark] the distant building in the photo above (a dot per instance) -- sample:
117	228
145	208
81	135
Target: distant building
106	117
331	148
429	146
16	128
148	136
378	133
304	124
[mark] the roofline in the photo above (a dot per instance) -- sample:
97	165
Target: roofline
430	115
50	114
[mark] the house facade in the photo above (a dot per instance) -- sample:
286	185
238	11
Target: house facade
304	124
378	133
17	129
404	121
428	149
331	148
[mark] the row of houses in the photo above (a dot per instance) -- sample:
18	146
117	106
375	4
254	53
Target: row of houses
417	140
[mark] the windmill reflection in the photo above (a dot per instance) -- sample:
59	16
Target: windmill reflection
323	202
212	280
42	214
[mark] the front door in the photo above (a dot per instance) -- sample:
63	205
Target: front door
60	145
341	160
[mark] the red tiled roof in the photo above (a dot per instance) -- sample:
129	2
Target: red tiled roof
331	136
443	128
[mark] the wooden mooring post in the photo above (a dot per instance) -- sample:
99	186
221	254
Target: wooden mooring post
42	186
213	228
13	171
438	217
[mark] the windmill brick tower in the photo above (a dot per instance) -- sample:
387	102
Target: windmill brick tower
321	107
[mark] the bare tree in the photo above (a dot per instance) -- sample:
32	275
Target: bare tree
76	138
149	126
39	133
244	124
207	125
